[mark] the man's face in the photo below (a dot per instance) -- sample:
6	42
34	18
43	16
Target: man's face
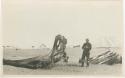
87	40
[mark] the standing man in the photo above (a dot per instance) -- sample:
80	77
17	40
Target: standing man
86	52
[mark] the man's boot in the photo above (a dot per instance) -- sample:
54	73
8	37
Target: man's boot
87	64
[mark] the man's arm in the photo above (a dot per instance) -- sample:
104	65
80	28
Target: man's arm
90	46
83	46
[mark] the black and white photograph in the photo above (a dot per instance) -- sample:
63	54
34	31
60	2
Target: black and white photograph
62	37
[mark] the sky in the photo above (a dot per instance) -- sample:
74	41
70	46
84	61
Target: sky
29	23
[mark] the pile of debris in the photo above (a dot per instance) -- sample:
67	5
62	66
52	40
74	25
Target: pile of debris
56	54
108	58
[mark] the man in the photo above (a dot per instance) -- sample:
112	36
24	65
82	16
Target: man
86	52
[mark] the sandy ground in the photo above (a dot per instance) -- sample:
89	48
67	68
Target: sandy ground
71	68
114	70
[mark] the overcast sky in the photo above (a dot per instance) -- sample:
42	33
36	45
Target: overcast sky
33	22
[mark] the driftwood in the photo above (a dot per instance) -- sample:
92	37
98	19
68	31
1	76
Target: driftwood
108	57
